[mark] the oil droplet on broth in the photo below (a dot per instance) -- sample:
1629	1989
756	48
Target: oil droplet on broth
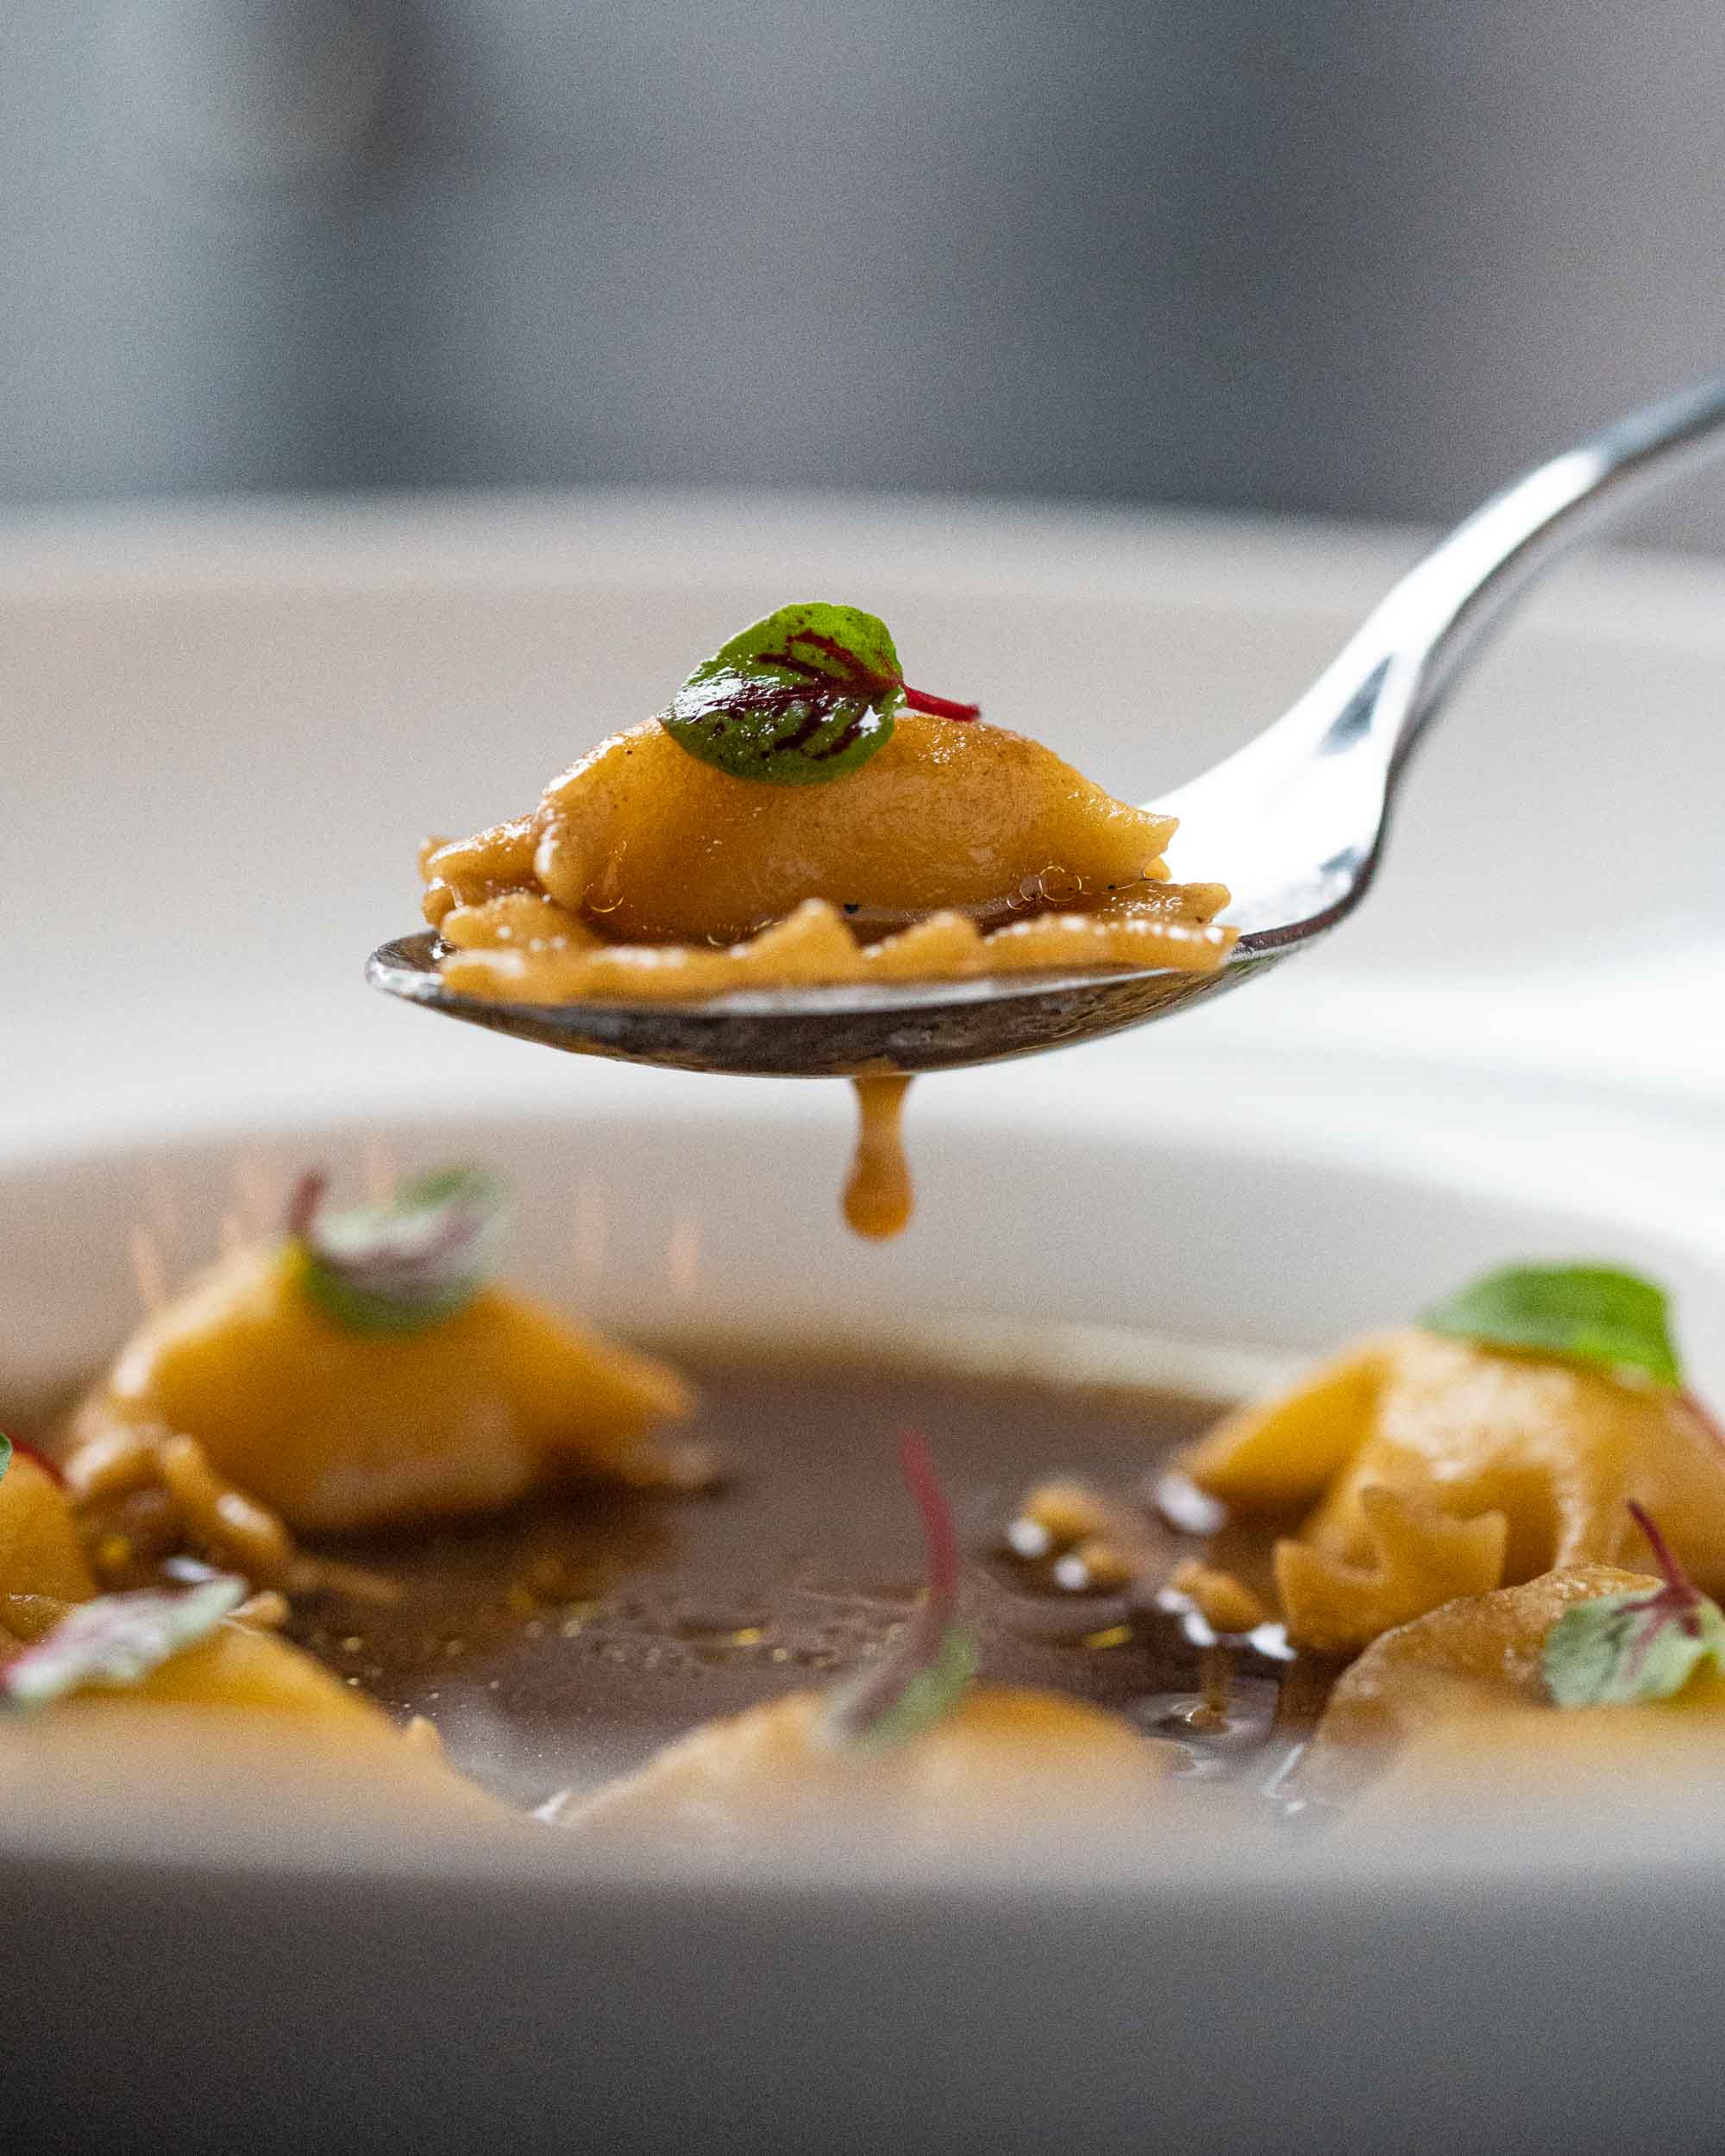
878	1196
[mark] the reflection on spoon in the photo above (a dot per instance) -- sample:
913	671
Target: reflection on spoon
878	1196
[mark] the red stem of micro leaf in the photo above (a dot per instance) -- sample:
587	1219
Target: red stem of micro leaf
855	679
940	707
303	1207
1679	1597
940	1535
919	1644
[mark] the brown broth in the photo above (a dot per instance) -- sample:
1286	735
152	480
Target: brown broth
566	1643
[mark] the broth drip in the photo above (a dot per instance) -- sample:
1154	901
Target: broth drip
879	1198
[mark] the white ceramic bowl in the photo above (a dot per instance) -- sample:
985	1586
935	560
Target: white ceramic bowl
224	731
1543	1986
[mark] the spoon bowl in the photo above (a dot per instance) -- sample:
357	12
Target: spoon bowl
829	1032
1294	822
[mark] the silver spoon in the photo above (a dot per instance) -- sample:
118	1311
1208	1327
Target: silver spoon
1294	823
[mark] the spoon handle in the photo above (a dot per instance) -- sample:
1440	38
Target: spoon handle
1391	676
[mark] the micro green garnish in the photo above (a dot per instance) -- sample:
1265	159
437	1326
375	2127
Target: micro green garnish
1620	1649
5	1454
116	1640
803	696
402	1266
1582	1313
933	1660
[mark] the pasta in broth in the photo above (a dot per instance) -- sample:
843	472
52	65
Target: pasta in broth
1502	1634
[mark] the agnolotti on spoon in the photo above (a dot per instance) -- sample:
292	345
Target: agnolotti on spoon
1295	821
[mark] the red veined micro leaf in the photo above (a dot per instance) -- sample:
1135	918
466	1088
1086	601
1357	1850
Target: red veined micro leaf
116	1639
933	1660
1620	1650
803	696
399	1267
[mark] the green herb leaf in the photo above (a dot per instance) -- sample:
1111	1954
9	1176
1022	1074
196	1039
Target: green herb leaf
1582	1313
401	1267
803	696
933	1661
1625	1648
5	1454
116	1640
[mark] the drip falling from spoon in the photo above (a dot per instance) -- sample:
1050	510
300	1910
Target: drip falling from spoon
878	1196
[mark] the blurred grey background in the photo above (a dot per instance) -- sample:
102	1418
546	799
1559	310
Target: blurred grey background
1355	256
